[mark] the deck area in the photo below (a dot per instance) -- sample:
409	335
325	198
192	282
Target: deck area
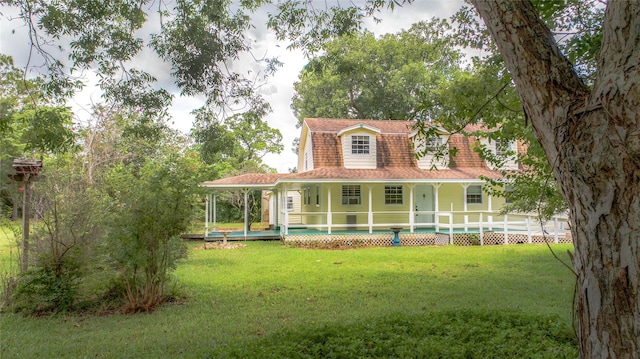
384	237
238	235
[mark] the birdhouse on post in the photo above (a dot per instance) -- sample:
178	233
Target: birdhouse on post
26	169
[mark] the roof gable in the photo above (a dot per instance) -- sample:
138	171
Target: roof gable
360	126
336	125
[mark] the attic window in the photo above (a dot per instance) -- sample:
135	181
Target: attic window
503	146
360	145
432	143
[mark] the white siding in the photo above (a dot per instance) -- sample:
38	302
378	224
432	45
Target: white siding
297	207
307	155
429	161
364	161
511	162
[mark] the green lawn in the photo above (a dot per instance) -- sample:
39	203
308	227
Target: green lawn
264	300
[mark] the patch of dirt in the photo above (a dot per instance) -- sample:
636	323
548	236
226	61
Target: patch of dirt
220	246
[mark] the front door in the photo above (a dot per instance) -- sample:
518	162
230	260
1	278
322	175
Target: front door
424	201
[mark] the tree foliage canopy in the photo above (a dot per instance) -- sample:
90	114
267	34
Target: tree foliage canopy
359	76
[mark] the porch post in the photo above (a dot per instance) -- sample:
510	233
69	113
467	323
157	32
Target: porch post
555	230
370	214
464	195
276	208
206	215
246	211
329	219
436	204
412	214
284	208
272	209
215	203
506	229
529	229
481	231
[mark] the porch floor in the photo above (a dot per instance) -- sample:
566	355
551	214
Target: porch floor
238	235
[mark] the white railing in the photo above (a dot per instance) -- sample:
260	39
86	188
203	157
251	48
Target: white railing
442	222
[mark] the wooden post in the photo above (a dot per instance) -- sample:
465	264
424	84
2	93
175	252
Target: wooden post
481	230
26	171
24	265
246	212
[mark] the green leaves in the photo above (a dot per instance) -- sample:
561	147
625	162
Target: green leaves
46	129
360	76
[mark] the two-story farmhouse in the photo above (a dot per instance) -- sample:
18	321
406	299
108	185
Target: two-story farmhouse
358	179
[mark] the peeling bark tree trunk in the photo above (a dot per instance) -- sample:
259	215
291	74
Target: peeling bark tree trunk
591	137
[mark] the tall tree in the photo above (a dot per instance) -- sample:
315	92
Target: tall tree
360	76
591	136
588	130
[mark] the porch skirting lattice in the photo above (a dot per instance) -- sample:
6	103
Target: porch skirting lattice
416	239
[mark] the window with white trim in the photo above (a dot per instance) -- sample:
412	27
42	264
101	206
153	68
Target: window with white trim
503	146
474	194
392	194
351	194
306	193
508	194
289	203
360	145
432	143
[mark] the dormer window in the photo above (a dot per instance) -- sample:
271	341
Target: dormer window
360	145
503	146
433	143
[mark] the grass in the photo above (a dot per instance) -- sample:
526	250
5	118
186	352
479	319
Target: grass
267	300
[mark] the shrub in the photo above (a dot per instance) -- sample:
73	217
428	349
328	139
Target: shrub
152	207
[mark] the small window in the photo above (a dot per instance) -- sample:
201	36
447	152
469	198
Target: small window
351	194
474	194
392	194
290	203
508	194
432	143
317	195
360	145
306	194
503	146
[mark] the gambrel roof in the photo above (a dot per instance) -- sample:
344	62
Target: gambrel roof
395	157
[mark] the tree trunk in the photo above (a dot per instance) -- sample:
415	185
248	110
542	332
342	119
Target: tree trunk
591	137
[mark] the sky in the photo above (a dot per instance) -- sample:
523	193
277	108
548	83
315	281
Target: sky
278	90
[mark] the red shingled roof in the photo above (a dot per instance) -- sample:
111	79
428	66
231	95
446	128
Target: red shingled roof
335	125
330	154
395	157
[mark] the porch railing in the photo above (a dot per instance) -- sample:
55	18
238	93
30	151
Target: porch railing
447	222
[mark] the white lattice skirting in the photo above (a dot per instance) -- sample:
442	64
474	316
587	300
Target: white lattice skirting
415	239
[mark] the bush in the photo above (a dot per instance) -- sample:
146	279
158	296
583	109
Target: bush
62	241
153	207
42	290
